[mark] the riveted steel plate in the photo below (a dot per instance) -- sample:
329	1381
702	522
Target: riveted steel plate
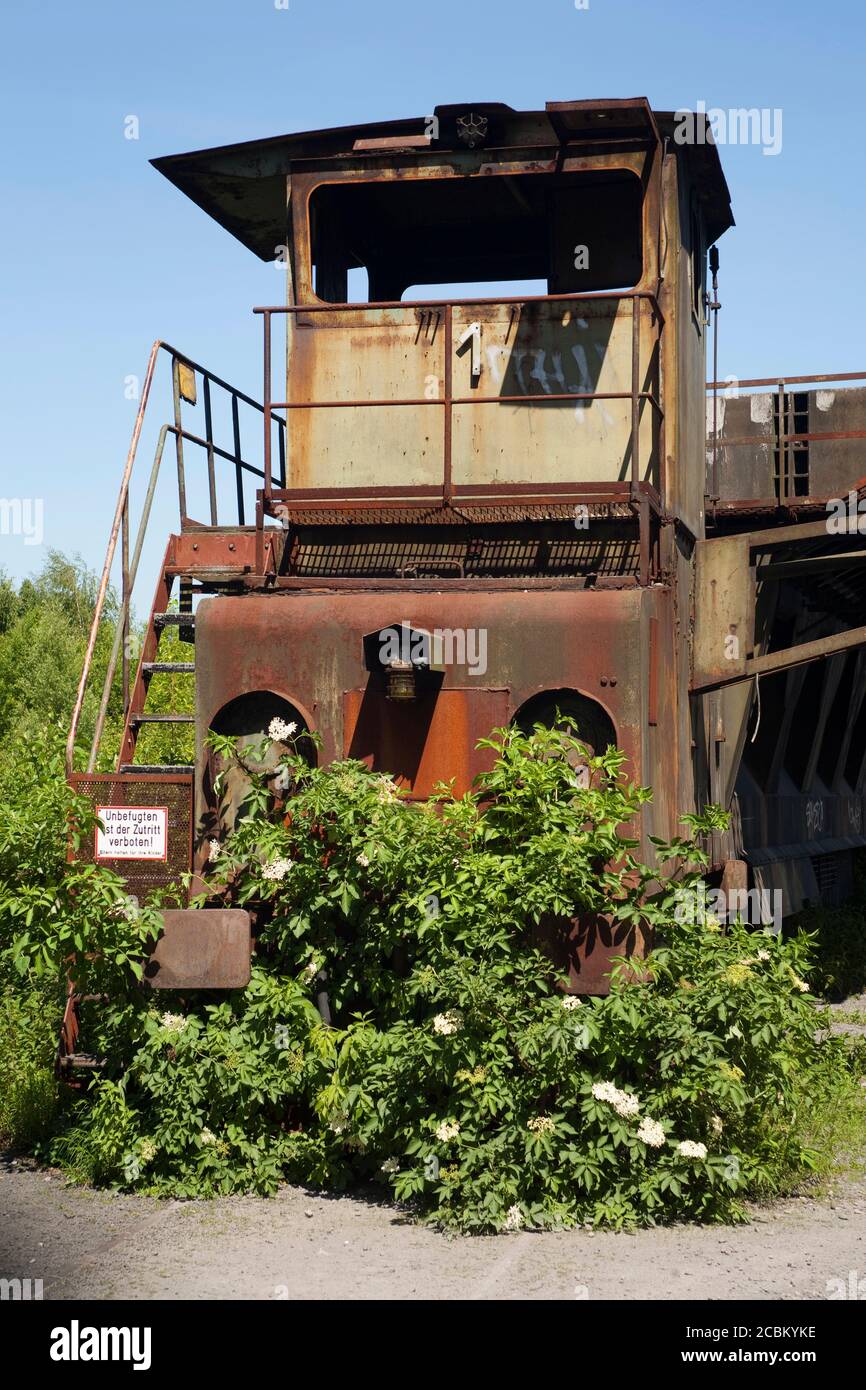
205	948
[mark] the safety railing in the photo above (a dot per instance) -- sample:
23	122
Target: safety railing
446	402
185	377
785	441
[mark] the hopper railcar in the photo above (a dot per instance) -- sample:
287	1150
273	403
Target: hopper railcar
484	426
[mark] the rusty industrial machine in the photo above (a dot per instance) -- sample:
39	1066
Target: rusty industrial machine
485	430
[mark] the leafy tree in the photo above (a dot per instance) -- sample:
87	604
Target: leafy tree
44	627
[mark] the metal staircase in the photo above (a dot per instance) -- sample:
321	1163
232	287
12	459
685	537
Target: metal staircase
137	715
201	557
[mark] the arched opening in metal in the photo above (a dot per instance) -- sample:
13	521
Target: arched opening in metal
248	718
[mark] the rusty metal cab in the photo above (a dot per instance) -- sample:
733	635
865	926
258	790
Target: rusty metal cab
483	418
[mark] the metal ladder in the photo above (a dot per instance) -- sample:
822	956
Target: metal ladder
137	716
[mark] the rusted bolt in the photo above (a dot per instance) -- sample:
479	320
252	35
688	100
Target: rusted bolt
231	545
613	680
195	545
604	680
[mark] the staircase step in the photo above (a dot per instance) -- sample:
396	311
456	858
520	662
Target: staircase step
158	769
162	719
175	668
178	619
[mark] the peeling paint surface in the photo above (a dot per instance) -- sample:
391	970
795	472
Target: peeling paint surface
761	409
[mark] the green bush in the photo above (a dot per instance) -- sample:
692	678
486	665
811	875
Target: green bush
52	914
28	1092
455	1069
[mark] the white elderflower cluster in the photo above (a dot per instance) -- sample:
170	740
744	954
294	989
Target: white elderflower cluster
311	969
448	1023
570	1001
763	955
447	1130
126	909
208	1136
541	1124
716	1125
651	1133
689	1149
277	870
213	850
147	1152
513	1219
391	1165
174	1023
622	1102
363	860
279	730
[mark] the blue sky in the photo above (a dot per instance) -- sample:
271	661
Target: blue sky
101	255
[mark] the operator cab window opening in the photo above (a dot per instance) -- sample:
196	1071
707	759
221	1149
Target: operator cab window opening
493	236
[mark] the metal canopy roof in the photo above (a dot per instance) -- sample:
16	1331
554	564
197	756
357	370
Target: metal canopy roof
243	186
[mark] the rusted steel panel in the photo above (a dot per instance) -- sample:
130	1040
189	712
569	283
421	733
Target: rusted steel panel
554	349
429	740
836	465
684	348
209	552
819	454
307	648
455	425
388	355
586	947
724	610
666	763
745	444
204	948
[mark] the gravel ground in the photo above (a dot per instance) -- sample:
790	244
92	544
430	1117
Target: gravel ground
103	1245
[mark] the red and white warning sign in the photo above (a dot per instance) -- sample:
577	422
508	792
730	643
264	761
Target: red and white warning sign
132	832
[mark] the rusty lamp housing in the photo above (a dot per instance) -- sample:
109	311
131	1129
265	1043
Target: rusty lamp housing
406	658
400	677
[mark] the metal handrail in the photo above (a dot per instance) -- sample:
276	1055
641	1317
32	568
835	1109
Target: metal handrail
447	401
122	502
120	524
788	380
